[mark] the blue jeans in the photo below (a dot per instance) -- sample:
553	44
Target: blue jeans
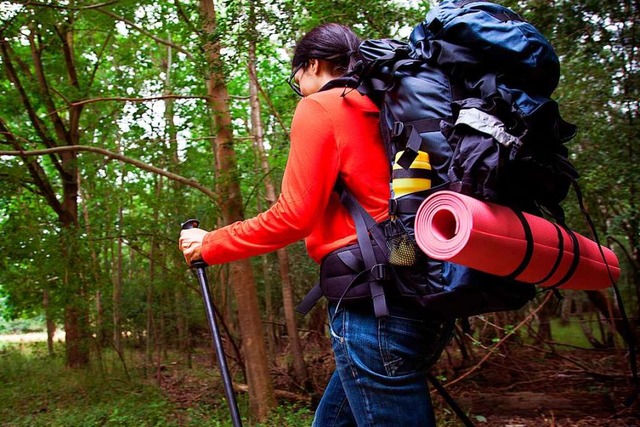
381	365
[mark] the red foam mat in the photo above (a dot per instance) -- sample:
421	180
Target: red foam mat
491	238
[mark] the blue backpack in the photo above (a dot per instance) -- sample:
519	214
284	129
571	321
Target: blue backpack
465	106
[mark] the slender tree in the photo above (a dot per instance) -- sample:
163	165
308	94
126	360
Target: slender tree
295	346
261	395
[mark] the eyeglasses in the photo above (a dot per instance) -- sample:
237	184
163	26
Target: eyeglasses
292	81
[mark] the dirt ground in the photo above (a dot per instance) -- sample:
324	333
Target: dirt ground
515	386
524	387
520	386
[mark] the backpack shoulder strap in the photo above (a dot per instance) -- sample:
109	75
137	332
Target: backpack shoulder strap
366	230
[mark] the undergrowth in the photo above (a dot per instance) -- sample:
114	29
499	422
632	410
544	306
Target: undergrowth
38	390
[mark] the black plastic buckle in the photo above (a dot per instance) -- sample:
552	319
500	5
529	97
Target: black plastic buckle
393	207
380	272
398	129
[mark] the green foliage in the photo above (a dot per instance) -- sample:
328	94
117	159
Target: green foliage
125	53
38	391
569	334
290	416
20	325
370	19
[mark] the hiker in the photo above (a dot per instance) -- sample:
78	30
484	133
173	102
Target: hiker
381	362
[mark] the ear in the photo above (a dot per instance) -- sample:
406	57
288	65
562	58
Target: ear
314	66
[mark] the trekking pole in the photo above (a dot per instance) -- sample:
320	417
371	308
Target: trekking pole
450	401
200	269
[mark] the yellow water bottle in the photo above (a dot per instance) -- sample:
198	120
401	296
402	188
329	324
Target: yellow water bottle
415	179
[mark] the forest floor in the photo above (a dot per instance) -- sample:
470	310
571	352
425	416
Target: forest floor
517	386
526	386
511	385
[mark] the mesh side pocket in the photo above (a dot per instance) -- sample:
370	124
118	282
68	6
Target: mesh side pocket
402	245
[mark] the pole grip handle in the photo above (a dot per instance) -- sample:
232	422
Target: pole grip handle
188	225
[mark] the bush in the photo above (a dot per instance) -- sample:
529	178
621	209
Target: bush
22	326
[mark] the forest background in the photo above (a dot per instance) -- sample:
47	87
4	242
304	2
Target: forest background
121	119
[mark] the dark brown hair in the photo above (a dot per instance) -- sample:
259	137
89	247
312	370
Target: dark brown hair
334	43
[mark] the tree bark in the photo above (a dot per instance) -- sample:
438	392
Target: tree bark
51	326
295	345
171	145
150	324
59	131
609	311
118	280
261	395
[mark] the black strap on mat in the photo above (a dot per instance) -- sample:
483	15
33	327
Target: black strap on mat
558	260
524	263
574	262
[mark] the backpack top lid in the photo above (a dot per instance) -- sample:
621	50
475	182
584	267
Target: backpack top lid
487	36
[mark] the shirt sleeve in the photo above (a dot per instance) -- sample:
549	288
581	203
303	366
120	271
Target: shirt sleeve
309	178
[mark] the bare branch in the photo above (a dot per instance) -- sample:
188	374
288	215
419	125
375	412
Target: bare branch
36	172
115	156
98	5
151	98
100	56
186	19
38	124
497	345
63	7
272	107
43	85
145	32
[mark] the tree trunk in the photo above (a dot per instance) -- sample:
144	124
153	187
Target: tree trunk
544	323
59	130
76	317
100	332
153	253
270	333
261	395
76	336
295	346
118	282
51	326
171	137
608	311
76	320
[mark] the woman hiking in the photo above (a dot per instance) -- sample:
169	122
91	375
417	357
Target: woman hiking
381	362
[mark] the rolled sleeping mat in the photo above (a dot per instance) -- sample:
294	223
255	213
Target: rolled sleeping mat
498	240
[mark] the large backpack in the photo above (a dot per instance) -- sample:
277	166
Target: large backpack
465	105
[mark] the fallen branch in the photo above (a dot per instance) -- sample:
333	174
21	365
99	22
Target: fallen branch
281	394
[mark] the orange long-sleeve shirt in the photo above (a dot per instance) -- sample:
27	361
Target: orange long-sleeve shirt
331	135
